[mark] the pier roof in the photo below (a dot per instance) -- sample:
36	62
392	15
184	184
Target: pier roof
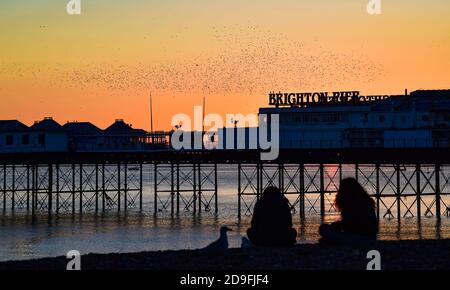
12	125
119	127
82	128
48	124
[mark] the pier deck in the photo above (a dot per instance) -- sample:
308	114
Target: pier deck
331	156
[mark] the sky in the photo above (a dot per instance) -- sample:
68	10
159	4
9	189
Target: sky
103	64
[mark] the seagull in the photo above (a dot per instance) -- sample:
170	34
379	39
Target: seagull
246	243
221	244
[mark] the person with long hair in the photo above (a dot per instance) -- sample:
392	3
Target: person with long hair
358	222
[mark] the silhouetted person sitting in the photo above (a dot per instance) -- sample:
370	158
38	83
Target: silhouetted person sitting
358	223
272	221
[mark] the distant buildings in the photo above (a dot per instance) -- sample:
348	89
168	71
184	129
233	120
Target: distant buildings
418	120
49	136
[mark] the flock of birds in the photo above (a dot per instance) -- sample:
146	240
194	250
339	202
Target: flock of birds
245	63
243	60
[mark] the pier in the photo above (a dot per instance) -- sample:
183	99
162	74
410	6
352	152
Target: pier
187	181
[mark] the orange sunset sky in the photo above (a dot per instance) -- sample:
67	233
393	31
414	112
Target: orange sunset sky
103	64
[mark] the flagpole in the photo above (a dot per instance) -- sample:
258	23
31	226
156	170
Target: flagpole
203	120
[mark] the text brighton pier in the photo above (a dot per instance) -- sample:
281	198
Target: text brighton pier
304	99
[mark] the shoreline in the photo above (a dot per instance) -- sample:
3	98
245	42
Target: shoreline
395	255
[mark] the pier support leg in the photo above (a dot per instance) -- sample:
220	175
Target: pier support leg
57	188
33	190
73	188
377	188
50	189
118	187
398	191
28	187
155	200
81	190
199	174
140	186
96	188
103	187
195	187
13	187
178	188
239	191
302	191
281	177
322	191
125	184
4	187
418	192
172	189
437	174
259	168
216	192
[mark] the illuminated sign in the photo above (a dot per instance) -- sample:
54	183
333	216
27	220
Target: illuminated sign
306	99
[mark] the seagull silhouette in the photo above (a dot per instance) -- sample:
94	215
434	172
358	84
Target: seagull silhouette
221	244
246	243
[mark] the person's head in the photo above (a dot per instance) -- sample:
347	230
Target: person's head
351	195
272	191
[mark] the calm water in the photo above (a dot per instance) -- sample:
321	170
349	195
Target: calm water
132	232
